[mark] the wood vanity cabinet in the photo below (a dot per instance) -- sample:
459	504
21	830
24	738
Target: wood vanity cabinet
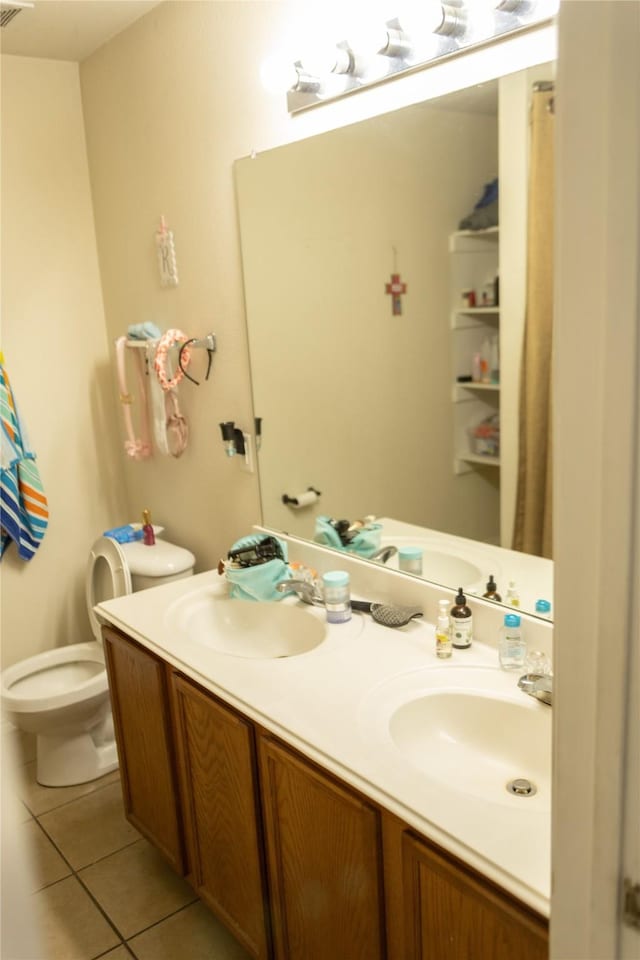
324	861
296	863
452	912
140	705
217	770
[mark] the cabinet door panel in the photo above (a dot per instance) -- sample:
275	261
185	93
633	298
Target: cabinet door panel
217	767
451	914
323	844
140	703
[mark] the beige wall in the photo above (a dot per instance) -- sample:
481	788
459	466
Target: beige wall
55	348
167	111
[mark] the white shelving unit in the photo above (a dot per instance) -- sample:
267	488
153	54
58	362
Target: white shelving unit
474	262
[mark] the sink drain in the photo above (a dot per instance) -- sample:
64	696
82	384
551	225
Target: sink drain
521	787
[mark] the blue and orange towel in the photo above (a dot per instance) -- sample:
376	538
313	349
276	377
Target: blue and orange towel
24	513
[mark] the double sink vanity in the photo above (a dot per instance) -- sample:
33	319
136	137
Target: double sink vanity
335	790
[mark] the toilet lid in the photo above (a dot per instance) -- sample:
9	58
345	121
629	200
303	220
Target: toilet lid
107	577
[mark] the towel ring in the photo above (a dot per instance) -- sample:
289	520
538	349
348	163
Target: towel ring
188	375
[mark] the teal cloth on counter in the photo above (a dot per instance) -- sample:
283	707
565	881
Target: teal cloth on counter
258	582
364	544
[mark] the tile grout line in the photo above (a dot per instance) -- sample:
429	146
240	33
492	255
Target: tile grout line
65	803
76	874
156	923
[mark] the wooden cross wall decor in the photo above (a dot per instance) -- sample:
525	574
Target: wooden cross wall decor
396	288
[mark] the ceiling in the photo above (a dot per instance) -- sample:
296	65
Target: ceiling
68	29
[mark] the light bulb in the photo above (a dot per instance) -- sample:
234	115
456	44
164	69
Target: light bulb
323	58
420	18
278	74
368	38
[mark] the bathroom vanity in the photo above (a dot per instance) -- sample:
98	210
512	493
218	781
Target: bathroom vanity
267	783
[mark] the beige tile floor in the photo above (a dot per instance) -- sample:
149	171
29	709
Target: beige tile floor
99	889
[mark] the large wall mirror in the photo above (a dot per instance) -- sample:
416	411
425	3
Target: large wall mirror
366	400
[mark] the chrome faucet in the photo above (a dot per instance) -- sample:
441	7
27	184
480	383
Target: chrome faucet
384	554
535	685
304	590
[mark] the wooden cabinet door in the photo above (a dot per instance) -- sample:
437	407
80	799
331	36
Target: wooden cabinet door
216	759
324	862
141	717
452	913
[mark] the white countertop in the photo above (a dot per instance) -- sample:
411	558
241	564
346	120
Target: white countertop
332	704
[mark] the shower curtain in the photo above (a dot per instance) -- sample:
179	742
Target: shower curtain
532	528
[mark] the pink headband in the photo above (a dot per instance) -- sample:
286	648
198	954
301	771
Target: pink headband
138	449
167	340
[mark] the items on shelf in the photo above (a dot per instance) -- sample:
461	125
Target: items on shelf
485	437
485	213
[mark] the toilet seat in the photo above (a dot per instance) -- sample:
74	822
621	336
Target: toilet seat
81	674
108	554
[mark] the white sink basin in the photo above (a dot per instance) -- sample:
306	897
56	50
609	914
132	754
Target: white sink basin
240	628
438	565
476	743
468	728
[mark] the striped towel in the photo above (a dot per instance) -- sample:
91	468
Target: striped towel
23	505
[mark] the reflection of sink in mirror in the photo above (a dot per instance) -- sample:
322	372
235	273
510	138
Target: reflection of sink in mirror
240	628
533	575
438	565
476	743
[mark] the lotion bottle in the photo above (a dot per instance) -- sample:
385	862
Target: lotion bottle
512	598
443	631
461	622
337	596
148	536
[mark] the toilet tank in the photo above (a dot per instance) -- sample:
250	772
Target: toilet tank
161	563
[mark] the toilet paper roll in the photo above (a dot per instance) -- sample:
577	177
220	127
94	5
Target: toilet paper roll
304	499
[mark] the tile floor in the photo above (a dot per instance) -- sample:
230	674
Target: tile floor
98	887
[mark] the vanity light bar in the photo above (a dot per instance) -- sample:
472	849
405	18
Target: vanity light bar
456	26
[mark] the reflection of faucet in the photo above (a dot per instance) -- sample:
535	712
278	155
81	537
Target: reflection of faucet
305	590
384	554
540	687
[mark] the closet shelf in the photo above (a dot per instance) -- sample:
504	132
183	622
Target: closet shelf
478	458
460	390
479	311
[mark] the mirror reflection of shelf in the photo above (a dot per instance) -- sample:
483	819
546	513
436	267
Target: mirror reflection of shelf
470	241
474	261
476	458
460	390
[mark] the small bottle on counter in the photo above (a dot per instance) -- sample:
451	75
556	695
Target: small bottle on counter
410	559
492	591
148	536
337	596
512	648
461	622
443	631
512	599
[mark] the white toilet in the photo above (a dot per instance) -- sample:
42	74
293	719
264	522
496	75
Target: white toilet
62	695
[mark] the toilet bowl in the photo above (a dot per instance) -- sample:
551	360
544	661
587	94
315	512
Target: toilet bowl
62	695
